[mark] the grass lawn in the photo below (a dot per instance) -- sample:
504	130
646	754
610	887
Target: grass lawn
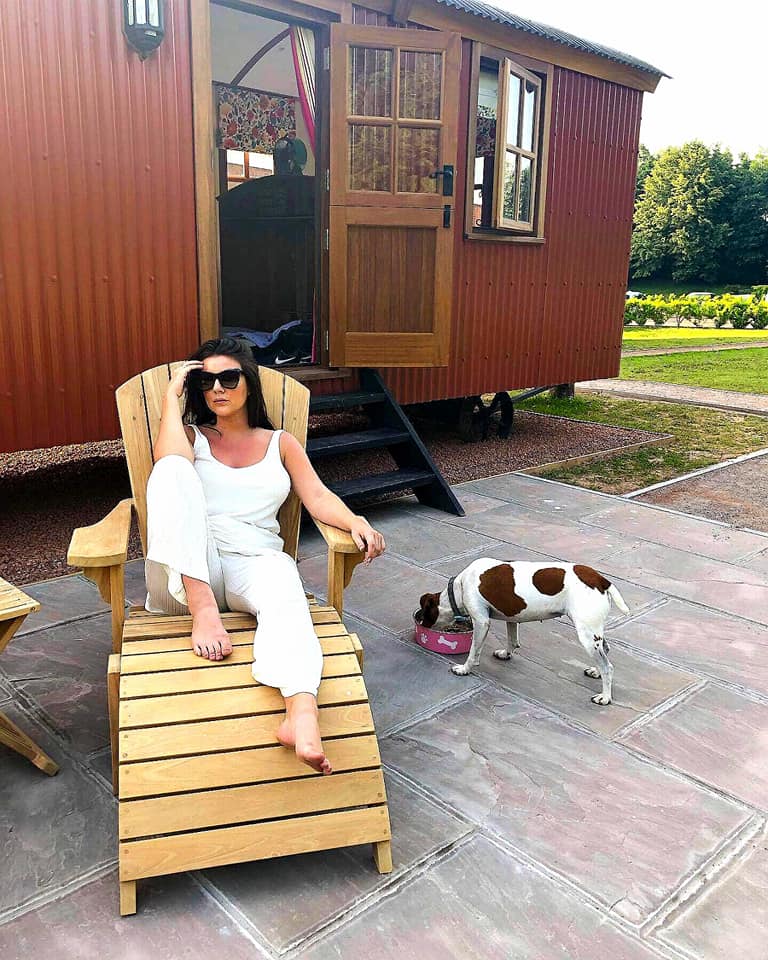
699	438
646	338
743	370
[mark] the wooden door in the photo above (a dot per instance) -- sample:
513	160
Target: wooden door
394	117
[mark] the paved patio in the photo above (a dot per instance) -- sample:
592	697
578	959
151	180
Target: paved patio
527	822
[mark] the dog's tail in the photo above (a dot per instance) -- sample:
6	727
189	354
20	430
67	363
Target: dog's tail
617	598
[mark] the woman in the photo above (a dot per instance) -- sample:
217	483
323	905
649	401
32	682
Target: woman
221	474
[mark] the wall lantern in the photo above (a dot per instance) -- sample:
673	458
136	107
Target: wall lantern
143	25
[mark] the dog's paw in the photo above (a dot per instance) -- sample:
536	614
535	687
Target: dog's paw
461	669
601	700
592	672
502	654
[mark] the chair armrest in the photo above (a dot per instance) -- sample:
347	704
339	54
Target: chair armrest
339	541
104	544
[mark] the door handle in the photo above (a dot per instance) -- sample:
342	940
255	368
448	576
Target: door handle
447	174
447	215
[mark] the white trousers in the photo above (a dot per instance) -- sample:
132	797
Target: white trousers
286	651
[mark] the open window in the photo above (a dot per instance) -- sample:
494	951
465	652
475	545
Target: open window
508	140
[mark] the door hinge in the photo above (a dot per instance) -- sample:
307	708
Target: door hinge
327	342
327	179
326	58
327	239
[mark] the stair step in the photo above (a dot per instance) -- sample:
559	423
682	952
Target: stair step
341	401
361	440
382	483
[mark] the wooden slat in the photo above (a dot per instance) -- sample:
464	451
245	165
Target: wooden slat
212	848
155	711
236	733
229	768
265	801
159	625
217	675
333	639
14	602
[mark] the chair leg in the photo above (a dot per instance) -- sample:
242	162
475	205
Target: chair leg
113	698
127	897
382	856
17	740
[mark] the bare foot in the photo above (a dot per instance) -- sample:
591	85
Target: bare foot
209	638
300	731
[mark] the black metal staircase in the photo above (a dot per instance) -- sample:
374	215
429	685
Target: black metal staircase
389	429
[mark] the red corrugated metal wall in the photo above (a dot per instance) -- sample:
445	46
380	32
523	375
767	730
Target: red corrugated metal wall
97	223
532	315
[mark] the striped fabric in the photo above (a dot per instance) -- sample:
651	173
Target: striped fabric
303	47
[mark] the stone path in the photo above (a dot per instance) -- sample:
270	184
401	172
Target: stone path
756	403
527	822
694	348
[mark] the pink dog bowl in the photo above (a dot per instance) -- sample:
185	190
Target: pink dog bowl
442	641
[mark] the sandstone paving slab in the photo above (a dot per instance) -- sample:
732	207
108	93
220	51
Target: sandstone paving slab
135	585
560	499
175	920
470	501
711	643
758	562
549	668
715	735
698	536
288	896
63	599
713	583
730	918
63	669
54	829
479	903
560	537
626	831
386	591
401	679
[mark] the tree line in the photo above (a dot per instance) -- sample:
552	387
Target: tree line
700	215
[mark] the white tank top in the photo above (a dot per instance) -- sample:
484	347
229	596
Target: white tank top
242	502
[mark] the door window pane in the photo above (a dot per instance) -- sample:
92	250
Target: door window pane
417	157
529	112
235	163
510	179
513	111
524	193
370	157
370	82
420	85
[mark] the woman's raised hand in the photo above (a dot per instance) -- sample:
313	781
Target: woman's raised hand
367	538
180	374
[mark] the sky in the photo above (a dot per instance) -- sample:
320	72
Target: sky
716	56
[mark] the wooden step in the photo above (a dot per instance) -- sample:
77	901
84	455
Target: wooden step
351	442
388	482
343	401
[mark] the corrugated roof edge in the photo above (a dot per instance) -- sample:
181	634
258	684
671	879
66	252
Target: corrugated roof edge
549	33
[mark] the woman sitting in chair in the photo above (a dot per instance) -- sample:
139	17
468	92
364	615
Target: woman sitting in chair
221	474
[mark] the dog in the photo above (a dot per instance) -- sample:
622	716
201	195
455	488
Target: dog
517	592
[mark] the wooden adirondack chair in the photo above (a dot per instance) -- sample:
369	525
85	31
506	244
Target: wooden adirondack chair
201	778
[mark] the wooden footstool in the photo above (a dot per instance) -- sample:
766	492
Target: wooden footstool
201	778
15	605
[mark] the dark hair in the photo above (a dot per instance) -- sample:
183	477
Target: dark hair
197	411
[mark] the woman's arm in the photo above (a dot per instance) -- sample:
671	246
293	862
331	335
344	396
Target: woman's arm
322	503
173	437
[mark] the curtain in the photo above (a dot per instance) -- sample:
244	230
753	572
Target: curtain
303	48
252	119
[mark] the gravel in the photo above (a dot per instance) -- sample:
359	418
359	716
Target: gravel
737	494
46	493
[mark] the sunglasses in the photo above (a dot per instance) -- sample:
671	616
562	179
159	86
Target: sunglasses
229	379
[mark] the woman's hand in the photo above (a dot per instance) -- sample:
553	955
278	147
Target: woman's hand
367	538
179	378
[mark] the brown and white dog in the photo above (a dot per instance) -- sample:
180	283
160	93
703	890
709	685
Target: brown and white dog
517	592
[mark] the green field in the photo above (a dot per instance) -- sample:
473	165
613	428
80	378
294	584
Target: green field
700	437
681	289
645	338
745	371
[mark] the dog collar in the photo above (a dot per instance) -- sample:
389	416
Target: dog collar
457	614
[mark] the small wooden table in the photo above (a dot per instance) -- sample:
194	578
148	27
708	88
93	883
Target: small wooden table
15	605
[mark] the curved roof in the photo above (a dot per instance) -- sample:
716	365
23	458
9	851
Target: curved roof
488	12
